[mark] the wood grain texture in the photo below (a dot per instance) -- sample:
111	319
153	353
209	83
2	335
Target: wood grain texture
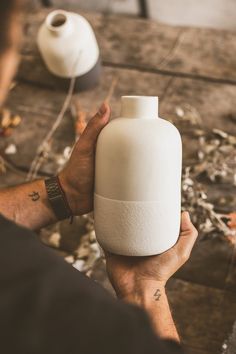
213	101
39	107
144	45
203	315
210	265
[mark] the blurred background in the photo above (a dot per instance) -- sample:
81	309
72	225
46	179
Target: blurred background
203	13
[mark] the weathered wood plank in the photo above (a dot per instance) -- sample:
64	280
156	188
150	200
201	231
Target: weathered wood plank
39	107
214	102
10	178
210	265
205	52
151	45
191	350
143	44
204	315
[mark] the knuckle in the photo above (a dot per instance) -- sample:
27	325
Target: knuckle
185	256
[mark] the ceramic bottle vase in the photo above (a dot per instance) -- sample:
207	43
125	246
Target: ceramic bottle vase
138	181
69	48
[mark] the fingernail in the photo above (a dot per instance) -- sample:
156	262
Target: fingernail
102	109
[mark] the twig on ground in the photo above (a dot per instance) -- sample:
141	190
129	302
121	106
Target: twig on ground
44	147
111	89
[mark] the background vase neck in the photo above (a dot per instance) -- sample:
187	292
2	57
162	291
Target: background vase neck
58	22
141	107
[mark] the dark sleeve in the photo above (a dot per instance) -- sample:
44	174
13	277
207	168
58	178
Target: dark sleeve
46	306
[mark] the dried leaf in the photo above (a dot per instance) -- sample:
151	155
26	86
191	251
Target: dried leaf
15	121
6	132
232	220
7	122
11	149
5	118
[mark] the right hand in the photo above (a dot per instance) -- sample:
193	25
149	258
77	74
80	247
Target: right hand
132	275
77	177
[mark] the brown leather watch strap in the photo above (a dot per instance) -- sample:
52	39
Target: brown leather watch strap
57	198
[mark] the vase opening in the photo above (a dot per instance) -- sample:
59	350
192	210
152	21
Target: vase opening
57	20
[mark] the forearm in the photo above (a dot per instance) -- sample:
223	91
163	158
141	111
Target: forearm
154	301
27	205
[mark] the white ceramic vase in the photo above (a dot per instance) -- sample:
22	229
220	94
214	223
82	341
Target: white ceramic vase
137	201
69	48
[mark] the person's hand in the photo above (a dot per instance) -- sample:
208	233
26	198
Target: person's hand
77	178
131	276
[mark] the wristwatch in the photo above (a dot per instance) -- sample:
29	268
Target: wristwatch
57	199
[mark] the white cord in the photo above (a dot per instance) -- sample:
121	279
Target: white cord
44	146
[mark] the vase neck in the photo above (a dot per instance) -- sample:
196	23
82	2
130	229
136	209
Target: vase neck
58	22
141	107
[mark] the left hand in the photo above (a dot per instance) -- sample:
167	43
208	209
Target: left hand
77	178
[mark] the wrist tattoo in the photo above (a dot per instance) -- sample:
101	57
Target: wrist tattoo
157	295
34	196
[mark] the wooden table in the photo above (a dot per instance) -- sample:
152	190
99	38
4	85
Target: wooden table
180	65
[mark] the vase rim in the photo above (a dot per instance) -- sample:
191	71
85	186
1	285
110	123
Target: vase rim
145	107
57	15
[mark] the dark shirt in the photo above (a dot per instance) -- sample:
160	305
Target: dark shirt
46	306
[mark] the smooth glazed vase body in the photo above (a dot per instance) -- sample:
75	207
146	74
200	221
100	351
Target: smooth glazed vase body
69	48
137	201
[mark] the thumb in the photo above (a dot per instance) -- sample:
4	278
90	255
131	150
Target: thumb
185	221
94	127
187	238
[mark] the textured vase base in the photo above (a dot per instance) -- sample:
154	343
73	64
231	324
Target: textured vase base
82	83
135	228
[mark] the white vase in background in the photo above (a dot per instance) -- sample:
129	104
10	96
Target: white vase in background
69	48
137	201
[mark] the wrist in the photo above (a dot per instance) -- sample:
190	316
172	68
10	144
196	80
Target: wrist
144	294
72	195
